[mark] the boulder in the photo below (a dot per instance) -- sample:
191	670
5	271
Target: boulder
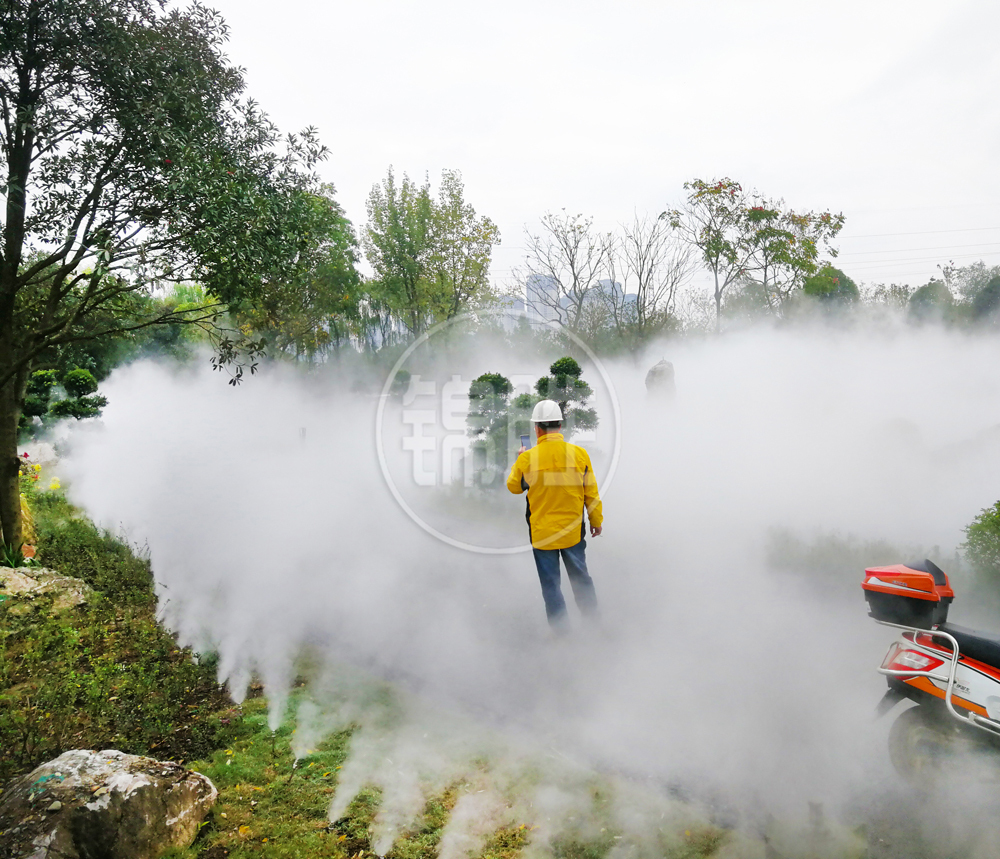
26	583
103	805
660	380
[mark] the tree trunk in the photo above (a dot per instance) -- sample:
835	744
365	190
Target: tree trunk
11	401
718	305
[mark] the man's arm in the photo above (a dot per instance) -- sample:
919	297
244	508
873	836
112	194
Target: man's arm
516	482
592	500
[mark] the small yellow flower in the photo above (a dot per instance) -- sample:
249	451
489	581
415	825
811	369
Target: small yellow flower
37	467
54	483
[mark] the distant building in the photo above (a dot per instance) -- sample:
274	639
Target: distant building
513	310
543	298
608	287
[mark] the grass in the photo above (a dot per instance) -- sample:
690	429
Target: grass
103	675
268	808
106	675
71	544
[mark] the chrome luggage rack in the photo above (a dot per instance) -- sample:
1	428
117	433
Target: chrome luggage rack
991	726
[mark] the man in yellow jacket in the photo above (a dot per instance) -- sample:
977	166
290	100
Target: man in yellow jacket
560	483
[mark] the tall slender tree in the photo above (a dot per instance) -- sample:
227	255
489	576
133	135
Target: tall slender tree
713	221
129	158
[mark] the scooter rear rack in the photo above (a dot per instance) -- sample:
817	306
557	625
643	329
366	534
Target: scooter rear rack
991	726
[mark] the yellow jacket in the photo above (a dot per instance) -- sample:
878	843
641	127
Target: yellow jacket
560	481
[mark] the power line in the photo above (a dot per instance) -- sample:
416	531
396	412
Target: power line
921	233
937	248
907	260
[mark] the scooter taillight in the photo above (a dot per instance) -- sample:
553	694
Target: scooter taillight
900	658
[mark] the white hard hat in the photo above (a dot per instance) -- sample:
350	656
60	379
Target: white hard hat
546	411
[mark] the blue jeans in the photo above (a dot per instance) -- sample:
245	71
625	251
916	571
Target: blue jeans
547	562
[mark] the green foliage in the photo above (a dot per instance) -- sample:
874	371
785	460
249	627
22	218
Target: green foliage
78	407
489	424
104	675
71	544
79	383
131	158
564	385
490	385
566	367
982	543
931	302
746	238
986	304
894	295
968	281
82	402
506	843
431	257
41	382
12	556
831	285
100	677
276	807
36	400
318	309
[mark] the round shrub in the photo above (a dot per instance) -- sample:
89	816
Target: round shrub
982	543
79	383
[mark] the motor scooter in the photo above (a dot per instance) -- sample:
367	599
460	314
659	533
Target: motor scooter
951	672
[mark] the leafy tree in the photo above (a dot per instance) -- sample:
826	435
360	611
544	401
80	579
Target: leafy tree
831	285
316	309
129	159
713	222
982	545
967	281
176	342
747	239
564	385
894	295
431	258
784	246
81	400
489	425
932	302
463	247
397	245
986	304
37	395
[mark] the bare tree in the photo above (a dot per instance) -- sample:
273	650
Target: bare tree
564	263
646	264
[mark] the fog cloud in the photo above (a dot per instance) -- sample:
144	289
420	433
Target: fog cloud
272	532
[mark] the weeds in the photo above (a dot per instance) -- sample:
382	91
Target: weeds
12	556
75	547
103	675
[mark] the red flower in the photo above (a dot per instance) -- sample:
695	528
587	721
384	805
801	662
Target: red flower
24	455
167	161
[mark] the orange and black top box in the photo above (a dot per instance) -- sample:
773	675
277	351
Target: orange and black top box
916	594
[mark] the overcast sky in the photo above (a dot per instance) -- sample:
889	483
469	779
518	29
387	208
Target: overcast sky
886	110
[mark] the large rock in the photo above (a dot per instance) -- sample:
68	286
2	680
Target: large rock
26	583
102	805
660	380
